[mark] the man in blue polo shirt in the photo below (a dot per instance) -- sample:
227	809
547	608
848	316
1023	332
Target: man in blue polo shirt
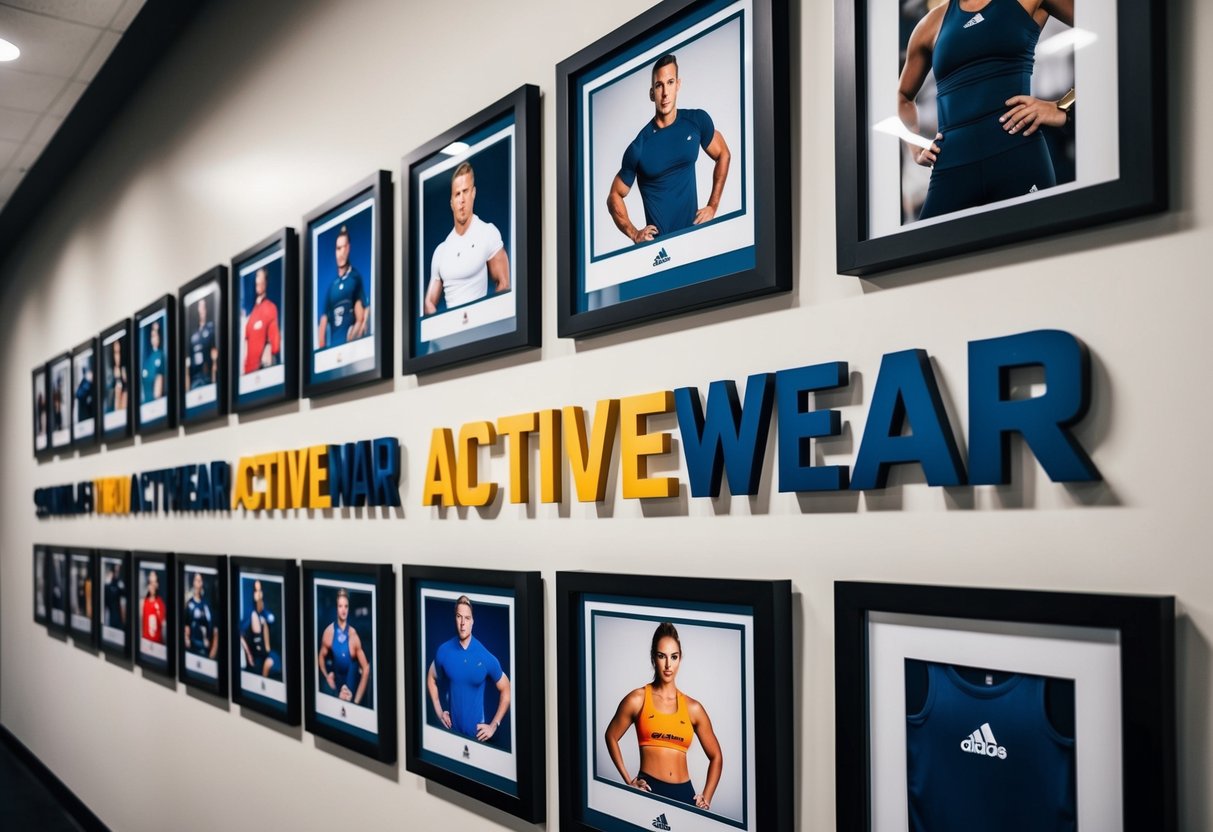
346	305
662	160
462	665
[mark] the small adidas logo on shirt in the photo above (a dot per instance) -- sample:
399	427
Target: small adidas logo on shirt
977	18
982	742
659	822
661	257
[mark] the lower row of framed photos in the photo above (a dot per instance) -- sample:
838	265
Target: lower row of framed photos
1023	709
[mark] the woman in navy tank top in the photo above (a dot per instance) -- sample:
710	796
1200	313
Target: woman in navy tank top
989	146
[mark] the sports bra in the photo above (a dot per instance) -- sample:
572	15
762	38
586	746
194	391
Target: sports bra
659	730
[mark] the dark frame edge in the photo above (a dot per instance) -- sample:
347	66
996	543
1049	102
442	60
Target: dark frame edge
71	803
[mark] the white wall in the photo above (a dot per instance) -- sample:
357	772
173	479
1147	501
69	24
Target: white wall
267	109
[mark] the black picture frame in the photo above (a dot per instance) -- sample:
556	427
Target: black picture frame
57	588
114	602
349	368
40	399
516	153
41	586
276	693
81	607
427	592
200	617
59	397
116	381
277	381
200	401
325	715
155	414
868	243
1141	650
85	401
625	607
159	657
757	264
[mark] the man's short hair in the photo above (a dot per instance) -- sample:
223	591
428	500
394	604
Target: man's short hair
341	593
463	599
344	232
667	59
465	167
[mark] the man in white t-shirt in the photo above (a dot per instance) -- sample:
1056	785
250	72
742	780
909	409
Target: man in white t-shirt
471	254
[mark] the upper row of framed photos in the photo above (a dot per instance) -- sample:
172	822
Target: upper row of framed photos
674	150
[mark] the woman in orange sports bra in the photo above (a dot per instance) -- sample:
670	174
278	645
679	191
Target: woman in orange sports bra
664	718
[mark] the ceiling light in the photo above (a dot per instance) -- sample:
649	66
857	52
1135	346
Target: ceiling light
455	148
8	51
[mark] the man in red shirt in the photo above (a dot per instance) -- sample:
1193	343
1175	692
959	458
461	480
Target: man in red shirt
153	610
261	337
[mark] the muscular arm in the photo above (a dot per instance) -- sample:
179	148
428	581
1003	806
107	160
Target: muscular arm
214	642
431	684
359	327
914	73
432	294
248	654
711	747
499	270
718	151
321	331
625	716
158	386
214	365
484	733
1041	10
619	213
326	644
357	652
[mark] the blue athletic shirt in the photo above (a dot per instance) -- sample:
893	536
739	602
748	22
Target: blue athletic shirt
986	757
341	657
343	293
465	671
84	396
201	344
199	615
153	366
663	161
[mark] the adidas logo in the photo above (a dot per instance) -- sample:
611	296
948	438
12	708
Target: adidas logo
661	257
982	742
1033	189
977	18
467	755
659	822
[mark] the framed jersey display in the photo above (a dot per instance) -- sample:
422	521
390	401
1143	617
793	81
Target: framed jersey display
41	585
673	158
347	288
114	371
474	684
264	623
969	124
114	601
265	322
1027	710
202	601
349	649
84	394
666	691
202	311
40	399
59	383
81	607
56	588
472	222
155	639
155	366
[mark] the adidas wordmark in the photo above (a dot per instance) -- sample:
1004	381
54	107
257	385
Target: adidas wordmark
982	742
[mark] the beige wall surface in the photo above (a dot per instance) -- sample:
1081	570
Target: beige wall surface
266	109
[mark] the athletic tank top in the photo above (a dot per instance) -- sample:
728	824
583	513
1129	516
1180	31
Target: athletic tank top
986	757
341	653
980	60
659	730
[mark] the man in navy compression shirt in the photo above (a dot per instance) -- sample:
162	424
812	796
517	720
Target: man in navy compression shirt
464	665
662	160
346	304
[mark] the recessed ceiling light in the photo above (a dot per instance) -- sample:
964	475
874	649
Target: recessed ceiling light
8	51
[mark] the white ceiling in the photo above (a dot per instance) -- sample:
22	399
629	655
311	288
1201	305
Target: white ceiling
63	44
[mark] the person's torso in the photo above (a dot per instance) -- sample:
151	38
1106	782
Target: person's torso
152	367
341	650
467	670
344	292
664	730
201	344
462	261
665	171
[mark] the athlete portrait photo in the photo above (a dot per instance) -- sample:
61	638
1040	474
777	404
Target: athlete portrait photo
155	641
264	622
57	589
156	397
60	374
202	621
81	579
203	349
115	602
84	392
114	388
41	414
40	589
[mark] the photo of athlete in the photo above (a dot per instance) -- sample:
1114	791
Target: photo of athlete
200	635
42	437
61	396
257	639
85	396
116	384
346	305
661	160
80	574
113	607
202	361
262	336
457	677
40	614
57	597
471	254
664	718
989	143
152	371
152	610
345	670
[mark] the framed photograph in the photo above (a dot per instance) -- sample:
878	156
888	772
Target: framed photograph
84	394
666	693
42	415
115	373
59	377
673	164
115	602
157	614
155	363
202	394
57	588
265	322
265	636
41	585
349	632
1028	710
472	221
347	288
81	611
953	139
202	595
474	684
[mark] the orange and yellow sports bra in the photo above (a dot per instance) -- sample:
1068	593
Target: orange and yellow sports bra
659	730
